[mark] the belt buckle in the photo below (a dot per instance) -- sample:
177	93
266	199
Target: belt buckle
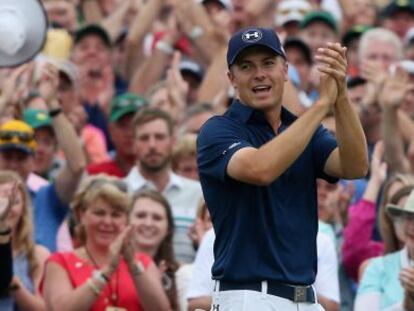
300	294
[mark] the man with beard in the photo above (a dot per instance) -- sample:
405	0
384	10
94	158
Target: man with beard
153	142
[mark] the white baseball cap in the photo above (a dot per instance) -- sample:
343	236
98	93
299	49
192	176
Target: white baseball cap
291	10
23	27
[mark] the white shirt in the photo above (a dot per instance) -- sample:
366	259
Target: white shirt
326	283
183	195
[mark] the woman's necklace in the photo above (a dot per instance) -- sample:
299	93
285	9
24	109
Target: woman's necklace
113	289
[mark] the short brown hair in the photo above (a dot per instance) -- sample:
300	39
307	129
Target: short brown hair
186	146
146	115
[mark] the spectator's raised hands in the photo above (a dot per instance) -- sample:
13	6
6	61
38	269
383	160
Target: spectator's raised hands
7	200
116	250
407	280
375	76
177	87
49	82
395	88
378	165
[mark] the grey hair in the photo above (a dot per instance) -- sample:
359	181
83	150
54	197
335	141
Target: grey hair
381	35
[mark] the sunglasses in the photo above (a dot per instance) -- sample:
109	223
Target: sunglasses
119	184
22	136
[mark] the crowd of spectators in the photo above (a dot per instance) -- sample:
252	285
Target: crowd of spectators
100	204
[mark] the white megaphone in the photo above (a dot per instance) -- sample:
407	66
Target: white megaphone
23	28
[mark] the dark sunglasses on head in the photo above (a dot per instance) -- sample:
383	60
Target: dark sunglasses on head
119	184
22	136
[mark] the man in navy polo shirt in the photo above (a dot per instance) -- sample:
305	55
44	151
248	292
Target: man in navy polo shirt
258	166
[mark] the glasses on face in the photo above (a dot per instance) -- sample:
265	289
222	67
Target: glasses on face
405	218
22	136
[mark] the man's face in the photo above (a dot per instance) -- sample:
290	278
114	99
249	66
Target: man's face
153	145
92	52
45	149
316	34
122	134
399	22
298	60
61	12
258	77
17	161
381	53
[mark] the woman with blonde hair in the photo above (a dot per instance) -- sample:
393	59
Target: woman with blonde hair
28	258
103	273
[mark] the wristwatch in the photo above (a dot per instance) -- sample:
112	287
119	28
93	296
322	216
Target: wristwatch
100	276
137	268
54	112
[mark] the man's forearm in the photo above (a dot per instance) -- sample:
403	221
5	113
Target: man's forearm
351	139
393	142
69	141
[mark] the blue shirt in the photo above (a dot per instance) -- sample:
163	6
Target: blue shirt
263	232
49	213
382	277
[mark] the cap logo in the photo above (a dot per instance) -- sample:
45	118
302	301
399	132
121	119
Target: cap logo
252	36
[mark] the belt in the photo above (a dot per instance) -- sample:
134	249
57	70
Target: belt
294	293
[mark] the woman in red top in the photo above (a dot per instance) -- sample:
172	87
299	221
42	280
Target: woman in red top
103	273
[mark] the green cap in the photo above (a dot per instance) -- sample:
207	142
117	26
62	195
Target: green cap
37	118
124	104
354	32
322	16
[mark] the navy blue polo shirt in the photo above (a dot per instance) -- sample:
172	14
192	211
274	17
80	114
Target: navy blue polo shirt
262	232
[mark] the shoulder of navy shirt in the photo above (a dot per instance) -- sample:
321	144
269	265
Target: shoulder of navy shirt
263	232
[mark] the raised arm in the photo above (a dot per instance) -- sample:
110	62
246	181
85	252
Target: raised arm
68	178
350	159
279	153
390	98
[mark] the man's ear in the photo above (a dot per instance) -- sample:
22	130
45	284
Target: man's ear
230	75
285	70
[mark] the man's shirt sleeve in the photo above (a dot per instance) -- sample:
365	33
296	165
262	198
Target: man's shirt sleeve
322	146
218	140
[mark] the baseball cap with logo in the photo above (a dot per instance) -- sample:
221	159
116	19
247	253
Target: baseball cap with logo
17	135
291	11
249	37
124	104
37	118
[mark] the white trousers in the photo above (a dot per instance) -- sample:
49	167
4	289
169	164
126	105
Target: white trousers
247	300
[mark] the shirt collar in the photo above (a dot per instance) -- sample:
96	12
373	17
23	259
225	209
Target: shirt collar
245	113
138	181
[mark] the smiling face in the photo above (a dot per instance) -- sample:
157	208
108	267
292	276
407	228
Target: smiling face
151	222
258	76
102	222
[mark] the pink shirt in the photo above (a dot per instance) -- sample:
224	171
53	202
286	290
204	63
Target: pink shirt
358	245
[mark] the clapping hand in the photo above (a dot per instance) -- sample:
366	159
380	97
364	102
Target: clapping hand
7	201
406	278
116	251
333	63
394	89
